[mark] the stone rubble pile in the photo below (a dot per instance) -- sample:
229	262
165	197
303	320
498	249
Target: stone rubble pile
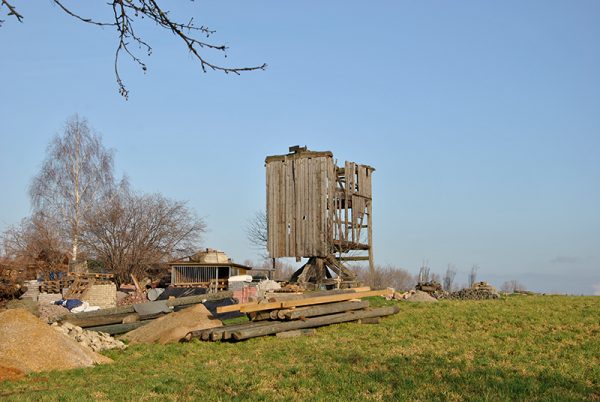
479	291
50	312
96	341
470	294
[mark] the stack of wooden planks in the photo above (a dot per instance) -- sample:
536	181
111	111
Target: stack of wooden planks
278	316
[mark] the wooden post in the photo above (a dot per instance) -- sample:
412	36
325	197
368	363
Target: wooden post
273	271
370	235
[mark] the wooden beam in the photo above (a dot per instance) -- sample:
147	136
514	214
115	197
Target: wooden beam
322	309
119	328
277	327
370	240
354	258
250	307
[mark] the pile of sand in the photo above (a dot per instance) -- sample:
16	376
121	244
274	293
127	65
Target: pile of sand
421	297
172	327
28	344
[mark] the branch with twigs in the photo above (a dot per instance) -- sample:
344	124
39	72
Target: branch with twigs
127	12
12	11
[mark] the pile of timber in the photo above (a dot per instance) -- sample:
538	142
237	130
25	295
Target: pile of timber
306	311
119	320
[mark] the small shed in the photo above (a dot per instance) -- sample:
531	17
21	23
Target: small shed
208	268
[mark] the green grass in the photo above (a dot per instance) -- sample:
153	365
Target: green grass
517	348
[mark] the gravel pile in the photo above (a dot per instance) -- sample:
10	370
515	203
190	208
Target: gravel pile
96	341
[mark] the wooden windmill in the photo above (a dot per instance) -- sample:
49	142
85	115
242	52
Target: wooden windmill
319	211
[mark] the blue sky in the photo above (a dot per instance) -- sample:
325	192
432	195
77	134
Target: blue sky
481	118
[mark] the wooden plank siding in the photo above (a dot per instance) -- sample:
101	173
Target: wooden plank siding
315	208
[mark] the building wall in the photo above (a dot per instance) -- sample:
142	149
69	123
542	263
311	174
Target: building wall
299	188
102	295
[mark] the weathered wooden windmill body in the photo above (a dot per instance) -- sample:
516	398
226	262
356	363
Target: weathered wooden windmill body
319	211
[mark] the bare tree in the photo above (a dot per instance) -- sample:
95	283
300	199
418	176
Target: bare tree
35	240
512	286
424	272
473	275
449	277
76	173
388	276
127	15
256	232
133	231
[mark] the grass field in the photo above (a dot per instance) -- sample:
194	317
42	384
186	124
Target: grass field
517	348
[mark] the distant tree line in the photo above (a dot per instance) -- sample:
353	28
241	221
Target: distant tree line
80	212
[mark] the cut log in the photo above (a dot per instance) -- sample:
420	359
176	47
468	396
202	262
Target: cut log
181	301
372	320
224	331
259	315
95	321
281	314
276	327
131	318
116	329
297	333
324	309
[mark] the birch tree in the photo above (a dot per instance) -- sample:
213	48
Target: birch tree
77	172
